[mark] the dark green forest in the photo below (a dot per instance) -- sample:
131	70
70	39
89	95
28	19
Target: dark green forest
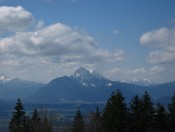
140	115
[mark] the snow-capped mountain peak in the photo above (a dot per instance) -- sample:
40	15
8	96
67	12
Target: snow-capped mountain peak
142	82
87	77
4	78
83	73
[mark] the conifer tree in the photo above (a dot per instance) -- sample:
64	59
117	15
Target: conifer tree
78	123
135	115
18	120
35	121
40	121
95	121
147	112
160	118
27	124
115	114
46	125
35	116
171	115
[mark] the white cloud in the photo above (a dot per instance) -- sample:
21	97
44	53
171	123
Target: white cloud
57	44
14	19
163	43
157	70
156	37
56	49
161	57
137	71
155	73
126	74
40	24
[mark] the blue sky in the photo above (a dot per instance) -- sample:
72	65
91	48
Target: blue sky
122	39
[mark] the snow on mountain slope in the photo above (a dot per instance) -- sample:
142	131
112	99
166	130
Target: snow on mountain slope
5	79
142	82
87	77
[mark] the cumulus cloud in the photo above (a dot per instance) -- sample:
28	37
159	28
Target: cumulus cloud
14	19
57	44
56	49
60	43
163	43
162	55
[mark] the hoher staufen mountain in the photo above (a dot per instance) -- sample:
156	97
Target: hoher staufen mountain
83	86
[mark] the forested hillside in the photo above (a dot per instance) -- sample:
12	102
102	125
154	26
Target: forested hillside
141	115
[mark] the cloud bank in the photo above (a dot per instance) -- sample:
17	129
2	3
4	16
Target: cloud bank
57	43
53	50
49	51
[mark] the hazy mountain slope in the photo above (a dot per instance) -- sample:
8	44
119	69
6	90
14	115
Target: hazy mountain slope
83	86
162	90
16	88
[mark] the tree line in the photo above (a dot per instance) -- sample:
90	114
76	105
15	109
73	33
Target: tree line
141	115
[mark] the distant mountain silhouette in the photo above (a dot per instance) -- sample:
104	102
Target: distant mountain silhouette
160	91
83	86
11	89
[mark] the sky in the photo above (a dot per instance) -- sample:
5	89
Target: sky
121	39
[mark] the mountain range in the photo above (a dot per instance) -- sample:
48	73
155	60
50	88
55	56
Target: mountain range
13	88
82	86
